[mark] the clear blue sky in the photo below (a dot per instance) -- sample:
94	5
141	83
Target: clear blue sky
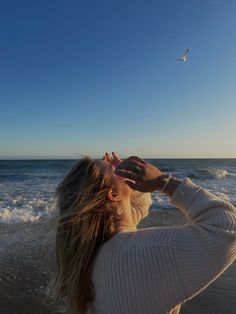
84	77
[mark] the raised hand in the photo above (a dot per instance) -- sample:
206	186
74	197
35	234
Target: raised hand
115	160
142	176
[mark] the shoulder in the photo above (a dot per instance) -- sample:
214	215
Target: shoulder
148	237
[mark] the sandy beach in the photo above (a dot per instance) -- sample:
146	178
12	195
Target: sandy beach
28	261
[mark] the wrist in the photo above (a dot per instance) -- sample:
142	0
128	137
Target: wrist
171	186
161	181
167	184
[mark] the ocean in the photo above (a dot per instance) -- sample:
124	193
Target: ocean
27	187
27	202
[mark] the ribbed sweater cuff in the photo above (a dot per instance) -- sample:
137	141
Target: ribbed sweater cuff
184	194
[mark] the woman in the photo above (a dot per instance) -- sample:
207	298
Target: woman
107	266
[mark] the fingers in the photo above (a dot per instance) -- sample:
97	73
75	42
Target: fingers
108	157
116	157
136	158
131	165
127	175
105	157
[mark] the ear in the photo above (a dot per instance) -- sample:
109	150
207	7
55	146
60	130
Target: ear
112	196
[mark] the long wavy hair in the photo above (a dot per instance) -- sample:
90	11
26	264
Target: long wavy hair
86	220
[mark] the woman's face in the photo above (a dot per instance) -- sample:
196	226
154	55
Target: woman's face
118	181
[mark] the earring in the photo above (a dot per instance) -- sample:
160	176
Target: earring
119	211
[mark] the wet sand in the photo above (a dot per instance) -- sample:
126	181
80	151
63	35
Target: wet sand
26	266
27	262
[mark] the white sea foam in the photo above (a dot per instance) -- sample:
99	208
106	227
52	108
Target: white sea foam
23	210
27	188
205	173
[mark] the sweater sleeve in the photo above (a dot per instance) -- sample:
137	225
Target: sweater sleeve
141	201
206	246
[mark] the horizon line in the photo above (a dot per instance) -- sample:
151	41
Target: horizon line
67	158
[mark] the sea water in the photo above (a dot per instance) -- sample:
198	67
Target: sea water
27	194
27	187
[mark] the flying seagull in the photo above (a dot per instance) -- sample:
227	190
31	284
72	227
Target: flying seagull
184	56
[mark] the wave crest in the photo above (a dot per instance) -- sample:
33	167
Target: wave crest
206	174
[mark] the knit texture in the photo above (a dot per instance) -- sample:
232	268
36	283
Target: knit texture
154	270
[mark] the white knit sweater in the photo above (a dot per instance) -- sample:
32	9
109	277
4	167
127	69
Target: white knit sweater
154	270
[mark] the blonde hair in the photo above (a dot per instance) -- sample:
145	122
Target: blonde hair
86	220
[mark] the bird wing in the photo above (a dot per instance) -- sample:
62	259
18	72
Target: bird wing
186	52
184	56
